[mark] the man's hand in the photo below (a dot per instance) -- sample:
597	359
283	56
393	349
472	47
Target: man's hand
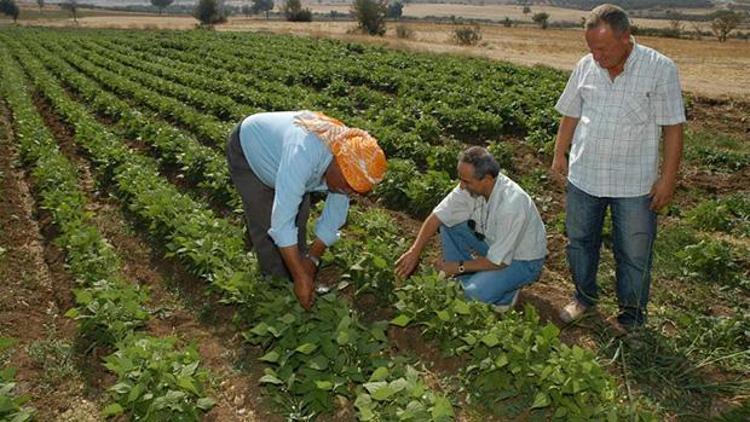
450	269
309	265
407	263
559	168
304	290
661	194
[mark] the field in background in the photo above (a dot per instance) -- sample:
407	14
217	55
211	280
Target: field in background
707	67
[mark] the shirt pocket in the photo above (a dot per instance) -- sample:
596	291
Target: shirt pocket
637	108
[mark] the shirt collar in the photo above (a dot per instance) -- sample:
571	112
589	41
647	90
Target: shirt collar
633	56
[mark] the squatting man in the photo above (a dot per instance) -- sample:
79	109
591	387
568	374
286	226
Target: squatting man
493	239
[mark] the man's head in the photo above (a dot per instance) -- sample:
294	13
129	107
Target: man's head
608	36
336	181
477	170
358	161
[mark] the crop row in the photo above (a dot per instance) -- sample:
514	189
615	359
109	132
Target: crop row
312	356
154	379
404	187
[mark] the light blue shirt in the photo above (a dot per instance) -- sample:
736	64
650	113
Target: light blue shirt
293	162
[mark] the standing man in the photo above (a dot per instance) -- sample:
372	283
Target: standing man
275	161
492	235
620	101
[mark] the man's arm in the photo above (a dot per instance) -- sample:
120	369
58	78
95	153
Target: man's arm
303	273
473	266
564	138
406	264
663	189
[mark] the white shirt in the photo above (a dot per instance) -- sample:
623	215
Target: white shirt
509	220
615	150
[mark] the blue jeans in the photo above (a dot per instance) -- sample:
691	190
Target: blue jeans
633	234
493	286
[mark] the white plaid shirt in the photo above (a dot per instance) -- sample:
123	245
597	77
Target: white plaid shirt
615	150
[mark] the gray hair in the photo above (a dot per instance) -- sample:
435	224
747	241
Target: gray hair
614	16
483	162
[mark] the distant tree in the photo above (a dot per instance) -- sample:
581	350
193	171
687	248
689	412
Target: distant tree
370	15
724	23
675	23
209	13
41	5
541	19
507	22
467	35
10	8
526	10
161	4
295	13
72	7
262	6
247	10
395	10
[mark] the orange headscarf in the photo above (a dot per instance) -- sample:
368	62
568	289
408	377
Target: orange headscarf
357	154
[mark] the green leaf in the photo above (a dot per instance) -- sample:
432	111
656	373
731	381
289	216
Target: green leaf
444	315
460	307
343	337
401	321
379	374
306	348
135	393
490	339
319	363
324	385
364	404
272	356
442	409
113	409
270	379
260	329
540	400
205	403
187	383
501	360
379	262
121	388
379	390
287	319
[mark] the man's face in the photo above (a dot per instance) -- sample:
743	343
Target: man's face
610	50
469	183
335	180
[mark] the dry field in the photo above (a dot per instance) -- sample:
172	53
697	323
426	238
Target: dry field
495	12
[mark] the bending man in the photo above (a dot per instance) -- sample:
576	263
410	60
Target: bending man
275	161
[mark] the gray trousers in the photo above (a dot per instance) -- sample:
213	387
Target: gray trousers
257	201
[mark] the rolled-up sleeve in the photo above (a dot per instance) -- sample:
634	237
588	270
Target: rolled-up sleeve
455	208
332	218
570	103
510	229
295	168
667	102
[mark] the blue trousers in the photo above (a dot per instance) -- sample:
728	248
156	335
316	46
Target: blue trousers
633	234
493	286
